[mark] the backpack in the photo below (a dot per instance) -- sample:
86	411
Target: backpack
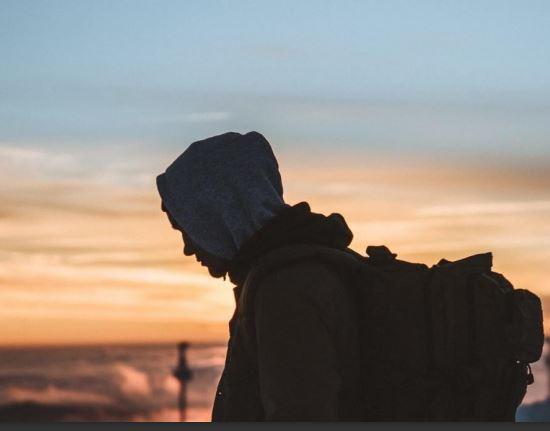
446	343
450	342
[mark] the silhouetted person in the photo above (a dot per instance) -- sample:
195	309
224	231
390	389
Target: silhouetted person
292	352
183	374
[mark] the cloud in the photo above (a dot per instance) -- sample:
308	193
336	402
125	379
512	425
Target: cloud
31	157
76	255
43	266
171	385
133	381
53	395
483	208
102	165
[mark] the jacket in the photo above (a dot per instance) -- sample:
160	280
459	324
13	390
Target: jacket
293	350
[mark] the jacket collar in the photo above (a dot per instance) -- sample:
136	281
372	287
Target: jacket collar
292	225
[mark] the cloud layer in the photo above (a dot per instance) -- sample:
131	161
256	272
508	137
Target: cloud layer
92	252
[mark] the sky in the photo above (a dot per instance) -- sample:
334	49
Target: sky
426	124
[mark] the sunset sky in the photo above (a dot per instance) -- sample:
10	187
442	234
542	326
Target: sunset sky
426	125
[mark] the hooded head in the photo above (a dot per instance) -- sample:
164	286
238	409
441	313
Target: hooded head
222	190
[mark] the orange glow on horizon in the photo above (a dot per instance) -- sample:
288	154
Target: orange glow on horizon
92	263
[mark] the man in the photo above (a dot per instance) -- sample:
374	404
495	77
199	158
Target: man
293	350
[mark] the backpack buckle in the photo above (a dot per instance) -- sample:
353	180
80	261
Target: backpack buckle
530	378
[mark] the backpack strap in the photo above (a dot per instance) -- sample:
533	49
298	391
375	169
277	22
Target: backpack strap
346	262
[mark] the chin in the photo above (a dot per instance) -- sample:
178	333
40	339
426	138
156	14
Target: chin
216	273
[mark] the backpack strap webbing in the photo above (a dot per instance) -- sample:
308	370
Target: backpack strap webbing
346	262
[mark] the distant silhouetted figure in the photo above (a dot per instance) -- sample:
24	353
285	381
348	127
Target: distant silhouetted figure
183	374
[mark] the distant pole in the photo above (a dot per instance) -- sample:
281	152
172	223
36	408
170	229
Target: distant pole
183	374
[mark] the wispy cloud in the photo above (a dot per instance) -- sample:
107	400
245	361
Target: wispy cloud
24	157
482	208
103	164
52	395
195	117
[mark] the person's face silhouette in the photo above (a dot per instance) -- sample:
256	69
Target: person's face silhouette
217	267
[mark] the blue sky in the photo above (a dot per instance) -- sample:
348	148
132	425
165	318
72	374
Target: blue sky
469	77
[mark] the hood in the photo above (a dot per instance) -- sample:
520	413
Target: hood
222	190
293	225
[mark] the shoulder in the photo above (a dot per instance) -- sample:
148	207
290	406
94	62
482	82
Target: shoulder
303	284
303	275
297	300
307	272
